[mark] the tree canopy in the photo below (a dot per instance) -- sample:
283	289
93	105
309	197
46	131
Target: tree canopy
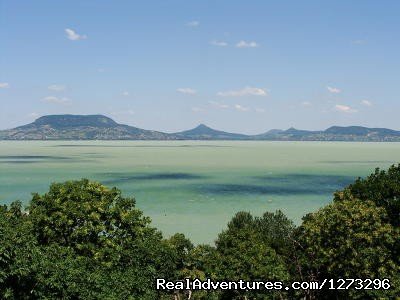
348	239
83	240
382	187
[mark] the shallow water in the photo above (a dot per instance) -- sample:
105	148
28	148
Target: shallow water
196	187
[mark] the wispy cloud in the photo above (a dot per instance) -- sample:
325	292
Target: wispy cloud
358	42
306	103
333	90
4	85
244	44
241	108
366	102
56	87
193	23
344	108
56	100
73	36
219	43
247	91
218	104
187	91
125	94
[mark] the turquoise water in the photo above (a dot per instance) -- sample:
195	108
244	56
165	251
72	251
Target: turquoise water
196	187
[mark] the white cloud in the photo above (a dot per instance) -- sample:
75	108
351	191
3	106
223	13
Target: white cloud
219	43
366	103
247	91
125	94
306	103
73	36
56	87
218	104
56	100
244	44
344	108
359	42
333	90
193	24
4	85
187	91
241	108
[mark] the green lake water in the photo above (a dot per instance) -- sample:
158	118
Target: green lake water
195	187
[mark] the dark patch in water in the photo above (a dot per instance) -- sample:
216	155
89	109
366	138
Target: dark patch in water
19	161
228	189
308	179
33	157
123	177
29	159
291	184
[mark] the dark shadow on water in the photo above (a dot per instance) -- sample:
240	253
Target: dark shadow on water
116	178
33	157
307	179
240	189
30	159
19	161
291	184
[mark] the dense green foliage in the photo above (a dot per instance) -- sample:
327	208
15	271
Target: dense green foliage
246	251
381	187
349	239
82	240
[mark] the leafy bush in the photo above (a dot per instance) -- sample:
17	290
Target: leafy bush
349	239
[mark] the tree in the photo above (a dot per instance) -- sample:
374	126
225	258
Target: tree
276	230
382	187
181	247
348	239
17	245
88	217
81	240
245	252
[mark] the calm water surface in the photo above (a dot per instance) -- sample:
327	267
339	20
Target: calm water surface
195	187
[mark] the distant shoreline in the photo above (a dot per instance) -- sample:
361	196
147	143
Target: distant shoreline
216	140
99	127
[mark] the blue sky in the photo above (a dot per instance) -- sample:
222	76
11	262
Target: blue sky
244	66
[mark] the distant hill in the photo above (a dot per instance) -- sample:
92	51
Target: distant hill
79	127
203	132
99	127
334	133
358	130
68	121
